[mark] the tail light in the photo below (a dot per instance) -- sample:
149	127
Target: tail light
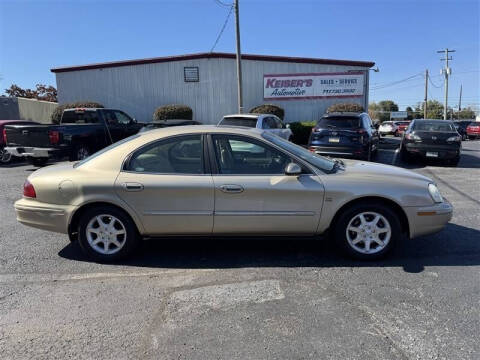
412	137
314	129
29	190
360	131
311	149
5	136
54	137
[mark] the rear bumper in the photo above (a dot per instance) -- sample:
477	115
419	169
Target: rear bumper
22	151
428	219
444	152
354	151
51	217
386	132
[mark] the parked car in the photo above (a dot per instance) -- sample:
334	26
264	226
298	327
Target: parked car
473	130
81	132
151	185
401	127
168	123
437	139
461	126
5	156
267	122
345	134
387	128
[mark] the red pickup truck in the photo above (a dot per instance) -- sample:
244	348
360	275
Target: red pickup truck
473	130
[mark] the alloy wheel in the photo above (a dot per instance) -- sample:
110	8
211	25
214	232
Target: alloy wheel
368	232
5	156
106	234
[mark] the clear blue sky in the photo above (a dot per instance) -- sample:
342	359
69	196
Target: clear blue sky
402	37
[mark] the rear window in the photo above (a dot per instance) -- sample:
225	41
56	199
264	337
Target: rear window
434	126
80	117
402	123
340	122
239	121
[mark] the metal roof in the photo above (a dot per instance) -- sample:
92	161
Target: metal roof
288	59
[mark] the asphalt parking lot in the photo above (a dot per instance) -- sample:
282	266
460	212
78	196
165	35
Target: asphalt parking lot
232	299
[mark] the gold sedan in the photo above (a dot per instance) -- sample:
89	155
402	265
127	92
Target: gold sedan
221	181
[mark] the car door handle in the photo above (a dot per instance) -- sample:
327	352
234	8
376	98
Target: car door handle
132	186
231	189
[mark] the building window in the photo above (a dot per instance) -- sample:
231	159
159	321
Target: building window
190	74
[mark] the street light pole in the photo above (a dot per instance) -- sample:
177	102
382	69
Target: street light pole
239	59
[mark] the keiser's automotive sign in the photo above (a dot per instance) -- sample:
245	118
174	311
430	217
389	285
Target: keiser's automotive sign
313	85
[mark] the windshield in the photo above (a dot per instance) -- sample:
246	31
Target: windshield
434	126
339	122
318	161
104	150
239	121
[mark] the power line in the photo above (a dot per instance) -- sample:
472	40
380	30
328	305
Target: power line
221	3
436	86
393	83
222	29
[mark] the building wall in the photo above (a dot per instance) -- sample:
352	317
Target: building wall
26	109
139	89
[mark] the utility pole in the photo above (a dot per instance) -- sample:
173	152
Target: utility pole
460	100
446	71
239	59
426	95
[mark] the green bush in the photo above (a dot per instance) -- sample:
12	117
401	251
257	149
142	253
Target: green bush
268	109
345	107
174	111
58	112
301	131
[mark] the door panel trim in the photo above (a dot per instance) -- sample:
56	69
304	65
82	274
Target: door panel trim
177	213
264	213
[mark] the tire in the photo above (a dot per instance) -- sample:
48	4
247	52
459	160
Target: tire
396	134
380	225
39	162
454	162
127	239
471	137
80	152
5	156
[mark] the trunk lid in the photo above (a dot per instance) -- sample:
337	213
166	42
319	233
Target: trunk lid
434	137
28	135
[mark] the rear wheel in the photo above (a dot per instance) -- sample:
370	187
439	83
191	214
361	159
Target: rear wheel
367	231
404	155
454	162
5	156
107	234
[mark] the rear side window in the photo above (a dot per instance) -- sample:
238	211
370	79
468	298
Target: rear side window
342	122
177	155
80	117
239	121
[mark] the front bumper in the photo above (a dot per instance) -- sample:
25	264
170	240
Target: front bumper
51	217
443	151
22	151
428	219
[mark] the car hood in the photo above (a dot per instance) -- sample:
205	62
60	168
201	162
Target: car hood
371	169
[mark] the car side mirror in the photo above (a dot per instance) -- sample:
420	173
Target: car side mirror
293	169
287	126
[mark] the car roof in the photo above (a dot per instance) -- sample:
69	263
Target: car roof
343	114
194	129
247	116
433	120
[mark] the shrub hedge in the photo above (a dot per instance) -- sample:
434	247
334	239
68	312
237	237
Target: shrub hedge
268	109
173	111
301	131
345	107
58	112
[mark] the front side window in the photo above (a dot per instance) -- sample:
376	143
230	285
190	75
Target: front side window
110	117
177	155
122	117
246	156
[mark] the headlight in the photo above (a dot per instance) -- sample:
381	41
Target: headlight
454	138
434	193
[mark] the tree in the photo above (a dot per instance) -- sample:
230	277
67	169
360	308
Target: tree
466	113
373	111
42	92
434	110
410	113
381	111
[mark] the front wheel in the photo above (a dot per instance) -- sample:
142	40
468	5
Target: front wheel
367	231
107	234
5	156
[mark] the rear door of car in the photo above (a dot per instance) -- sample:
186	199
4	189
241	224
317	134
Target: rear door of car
169	185
252	193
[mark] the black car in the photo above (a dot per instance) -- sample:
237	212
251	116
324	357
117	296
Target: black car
461	126
431	139
168	123
345	134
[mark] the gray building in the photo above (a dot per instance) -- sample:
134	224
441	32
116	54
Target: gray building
304	87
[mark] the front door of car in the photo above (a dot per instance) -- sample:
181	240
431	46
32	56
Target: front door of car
166	184
254	196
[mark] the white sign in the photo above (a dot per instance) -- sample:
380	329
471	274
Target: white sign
312	85
398	115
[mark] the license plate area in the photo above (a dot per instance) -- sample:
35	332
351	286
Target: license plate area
334	139
432	154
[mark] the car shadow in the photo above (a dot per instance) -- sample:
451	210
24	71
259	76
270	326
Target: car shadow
456	245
